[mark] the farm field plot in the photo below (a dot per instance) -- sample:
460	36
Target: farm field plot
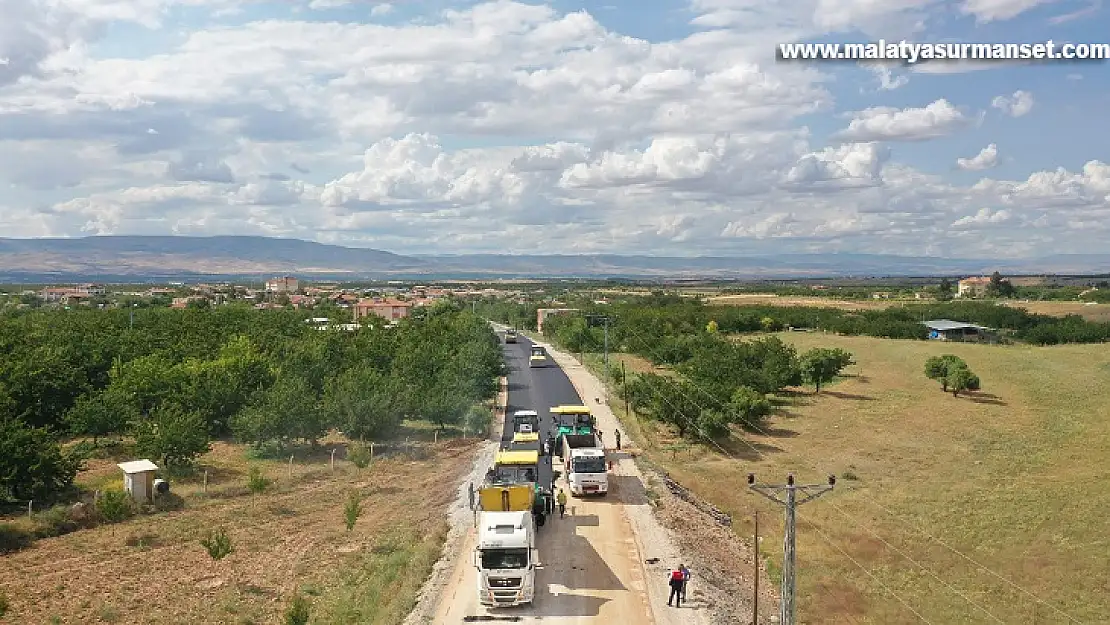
288	539
970	509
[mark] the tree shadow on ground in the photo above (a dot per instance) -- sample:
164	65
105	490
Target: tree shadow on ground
984	398
843	395
740	448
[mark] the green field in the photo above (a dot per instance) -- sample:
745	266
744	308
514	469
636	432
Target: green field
941	500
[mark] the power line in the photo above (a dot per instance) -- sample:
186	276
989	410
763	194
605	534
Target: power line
866	572
869	498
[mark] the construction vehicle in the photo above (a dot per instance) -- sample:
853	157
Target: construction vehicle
512	484
510	336
584	465
506	558
571	420
538	357
526	421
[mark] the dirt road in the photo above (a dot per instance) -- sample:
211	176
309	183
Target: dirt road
594	561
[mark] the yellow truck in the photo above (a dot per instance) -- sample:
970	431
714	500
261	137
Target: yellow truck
512	484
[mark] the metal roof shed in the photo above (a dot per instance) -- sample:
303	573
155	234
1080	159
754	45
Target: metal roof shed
138	479
948	330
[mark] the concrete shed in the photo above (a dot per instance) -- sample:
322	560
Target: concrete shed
138	479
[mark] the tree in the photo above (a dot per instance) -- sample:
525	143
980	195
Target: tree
100	415
944	291
287	410
938	367
711	327
32	463
364	403
748	407
999	287
960	378
172	433
821	365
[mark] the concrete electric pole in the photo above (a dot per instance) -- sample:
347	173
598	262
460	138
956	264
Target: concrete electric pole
791	502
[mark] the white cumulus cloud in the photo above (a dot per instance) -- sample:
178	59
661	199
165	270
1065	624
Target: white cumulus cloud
985	159
1016	105
911	124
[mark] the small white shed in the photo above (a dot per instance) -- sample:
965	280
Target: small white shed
138	479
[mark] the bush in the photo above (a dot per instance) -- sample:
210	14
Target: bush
55	521
218	544
477	421
352	510
3	604
297	612
256	481
14	538
712	425
359	453
114	506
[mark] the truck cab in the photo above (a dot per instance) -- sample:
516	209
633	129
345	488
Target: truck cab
584	465
506	558
538	357
510	336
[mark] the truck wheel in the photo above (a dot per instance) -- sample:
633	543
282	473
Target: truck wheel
540	520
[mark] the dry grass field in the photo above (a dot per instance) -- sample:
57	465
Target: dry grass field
290	538
978	509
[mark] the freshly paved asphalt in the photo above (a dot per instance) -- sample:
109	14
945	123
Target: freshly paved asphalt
538	389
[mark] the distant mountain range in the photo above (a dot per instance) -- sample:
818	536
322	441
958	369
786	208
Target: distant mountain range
151	258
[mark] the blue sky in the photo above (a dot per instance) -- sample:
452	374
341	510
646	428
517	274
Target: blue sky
660	127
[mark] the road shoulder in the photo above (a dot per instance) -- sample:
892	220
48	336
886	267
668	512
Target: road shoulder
461	520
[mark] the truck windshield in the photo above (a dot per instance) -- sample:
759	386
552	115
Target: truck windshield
514	474
588	465
504	558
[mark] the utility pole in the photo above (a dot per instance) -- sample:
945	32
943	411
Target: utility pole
791	502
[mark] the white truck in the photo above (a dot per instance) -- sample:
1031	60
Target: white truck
506	558
584	465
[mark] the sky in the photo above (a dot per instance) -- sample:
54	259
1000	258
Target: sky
660	127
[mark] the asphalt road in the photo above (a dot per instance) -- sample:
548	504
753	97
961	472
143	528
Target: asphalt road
590	569
538	389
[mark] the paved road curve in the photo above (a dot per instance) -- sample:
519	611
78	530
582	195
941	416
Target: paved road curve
591	569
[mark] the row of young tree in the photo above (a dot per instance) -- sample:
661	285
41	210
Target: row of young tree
175	379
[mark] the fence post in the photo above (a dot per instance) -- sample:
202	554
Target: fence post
290	466
206	481
333	459
30	507
435	437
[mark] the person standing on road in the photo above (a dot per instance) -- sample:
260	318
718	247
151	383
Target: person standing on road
600	438
562	503
676	586
618	433
685	580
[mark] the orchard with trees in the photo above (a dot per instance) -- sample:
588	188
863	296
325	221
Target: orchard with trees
177	379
